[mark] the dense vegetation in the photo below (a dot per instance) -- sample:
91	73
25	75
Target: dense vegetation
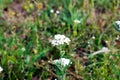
28	26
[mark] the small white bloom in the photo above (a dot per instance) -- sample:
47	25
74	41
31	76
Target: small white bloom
23	49
93	37
62	61
1	69
77	21
57	12
52	11
60	40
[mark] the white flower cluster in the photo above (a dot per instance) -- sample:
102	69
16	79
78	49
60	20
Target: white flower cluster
60	40
1	69
62	61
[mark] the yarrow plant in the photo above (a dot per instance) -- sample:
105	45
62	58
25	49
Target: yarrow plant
60	40
62	64
52	11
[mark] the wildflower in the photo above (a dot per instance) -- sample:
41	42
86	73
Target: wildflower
93	37
63	62
57	12
60	40
52	11
76	21
1	69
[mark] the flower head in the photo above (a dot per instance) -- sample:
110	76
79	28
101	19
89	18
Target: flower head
1	69
60	40
52	11
57	12
63	62
93	37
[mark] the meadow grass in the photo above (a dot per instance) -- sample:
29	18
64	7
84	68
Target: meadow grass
27	26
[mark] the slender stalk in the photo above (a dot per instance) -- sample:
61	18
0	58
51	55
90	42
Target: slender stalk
62	52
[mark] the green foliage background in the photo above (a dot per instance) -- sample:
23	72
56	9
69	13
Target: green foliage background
33	30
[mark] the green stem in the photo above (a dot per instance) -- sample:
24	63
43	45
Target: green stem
61	77
62	52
